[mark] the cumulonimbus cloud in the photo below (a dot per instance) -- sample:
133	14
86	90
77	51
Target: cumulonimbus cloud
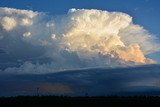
81	38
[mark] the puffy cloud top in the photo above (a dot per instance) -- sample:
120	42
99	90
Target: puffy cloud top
8	23
17	12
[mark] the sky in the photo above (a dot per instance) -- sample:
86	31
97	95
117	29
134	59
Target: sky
144	13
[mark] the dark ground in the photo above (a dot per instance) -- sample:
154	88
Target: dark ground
64	101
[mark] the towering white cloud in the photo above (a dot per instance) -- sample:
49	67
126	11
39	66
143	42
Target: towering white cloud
81	38
108	33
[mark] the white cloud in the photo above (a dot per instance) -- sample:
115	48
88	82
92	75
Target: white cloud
107	32
8	23
81	38
26	22
27	34
17	12
53	36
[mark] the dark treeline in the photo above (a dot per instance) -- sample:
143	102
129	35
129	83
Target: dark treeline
80	101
